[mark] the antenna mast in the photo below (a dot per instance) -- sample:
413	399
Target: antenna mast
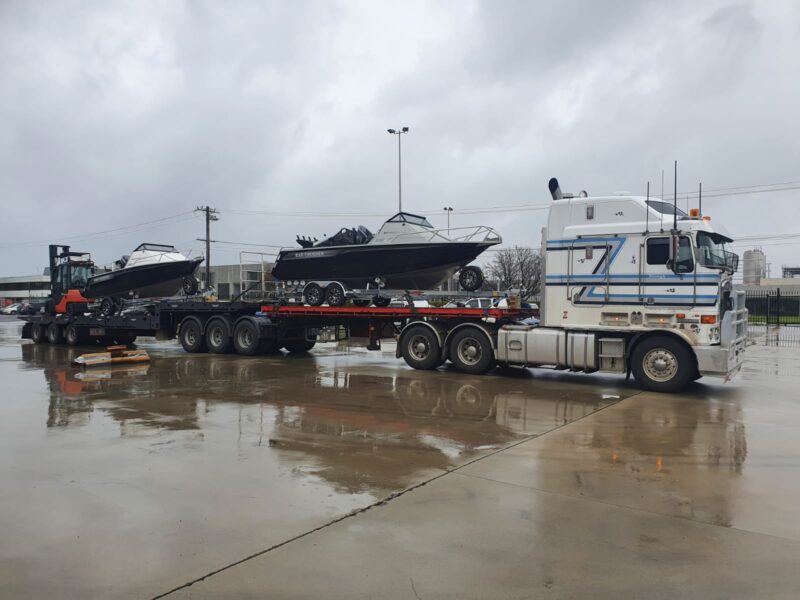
700	208
647	210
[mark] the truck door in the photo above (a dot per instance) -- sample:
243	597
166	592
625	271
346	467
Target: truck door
667	277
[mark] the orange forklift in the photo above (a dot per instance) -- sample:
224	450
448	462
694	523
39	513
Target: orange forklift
69	272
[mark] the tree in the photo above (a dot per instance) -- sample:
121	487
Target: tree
518	267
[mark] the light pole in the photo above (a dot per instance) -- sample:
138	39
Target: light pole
398	133
448	210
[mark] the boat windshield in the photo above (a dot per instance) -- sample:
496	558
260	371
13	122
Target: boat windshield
665	208
156	247
713	253
403	217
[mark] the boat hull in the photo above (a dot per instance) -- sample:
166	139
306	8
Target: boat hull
402	266
146	281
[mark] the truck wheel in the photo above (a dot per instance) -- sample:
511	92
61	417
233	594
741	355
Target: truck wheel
73	335
313	294
471	351
55	334
191	337
470	278
662	364
334	294
38	333
246	340
217	338
299	346
420	347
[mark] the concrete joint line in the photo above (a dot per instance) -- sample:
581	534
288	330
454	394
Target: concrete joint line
382	501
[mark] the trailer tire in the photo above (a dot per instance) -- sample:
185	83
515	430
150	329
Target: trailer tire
108	306
471	351
191	336
190	285
218	340
662	363
334	294
420	347
470	278
246	339
300	346
55	333
38	333
313	294
73	335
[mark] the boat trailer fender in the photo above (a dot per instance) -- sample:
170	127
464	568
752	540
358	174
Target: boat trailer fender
490	335
263	324
440	334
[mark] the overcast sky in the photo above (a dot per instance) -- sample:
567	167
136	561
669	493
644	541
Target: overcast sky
115	114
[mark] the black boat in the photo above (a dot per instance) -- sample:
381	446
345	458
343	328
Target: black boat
407	253
152	270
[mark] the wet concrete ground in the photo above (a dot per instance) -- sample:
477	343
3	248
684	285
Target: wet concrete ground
246	478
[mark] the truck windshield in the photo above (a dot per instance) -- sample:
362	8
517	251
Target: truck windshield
713	253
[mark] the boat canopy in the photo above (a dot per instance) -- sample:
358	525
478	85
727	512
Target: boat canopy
155	247
346	237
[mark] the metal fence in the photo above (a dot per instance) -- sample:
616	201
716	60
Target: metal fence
774	317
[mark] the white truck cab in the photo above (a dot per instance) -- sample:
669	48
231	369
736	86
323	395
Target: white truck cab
633	285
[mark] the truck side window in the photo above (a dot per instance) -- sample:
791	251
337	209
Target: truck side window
657	251
684	262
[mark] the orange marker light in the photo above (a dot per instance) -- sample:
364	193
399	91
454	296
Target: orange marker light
694	213
681	315
706	218
708	319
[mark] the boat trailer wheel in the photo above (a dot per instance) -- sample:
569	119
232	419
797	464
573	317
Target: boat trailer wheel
334	294
314	295
470	278
190	285
108	306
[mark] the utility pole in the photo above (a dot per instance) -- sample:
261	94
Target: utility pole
211	215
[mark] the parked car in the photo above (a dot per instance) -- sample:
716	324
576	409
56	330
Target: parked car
12	309
31	308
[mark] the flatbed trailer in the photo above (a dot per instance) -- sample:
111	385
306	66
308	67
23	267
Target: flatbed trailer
427	336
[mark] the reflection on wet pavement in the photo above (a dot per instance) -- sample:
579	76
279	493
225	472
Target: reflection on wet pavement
196	460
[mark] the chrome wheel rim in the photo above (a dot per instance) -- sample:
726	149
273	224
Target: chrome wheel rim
660	364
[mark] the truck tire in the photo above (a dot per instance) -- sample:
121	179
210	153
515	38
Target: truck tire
334	294
73	335
245	339
217	339
300	346
471	351
420	347
55	333
38	333
661	363
191	337
313	294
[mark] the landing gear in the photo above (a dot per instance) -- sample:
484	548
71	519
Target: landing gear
470	278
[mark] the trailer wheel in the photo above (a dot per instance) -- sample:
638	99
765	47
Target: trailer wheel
73	335
108	307
381	301
471	351
470	278
420	347
189	285
55	333
38	333
662	364
245	338
217	338
314	294
334	294
191	337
